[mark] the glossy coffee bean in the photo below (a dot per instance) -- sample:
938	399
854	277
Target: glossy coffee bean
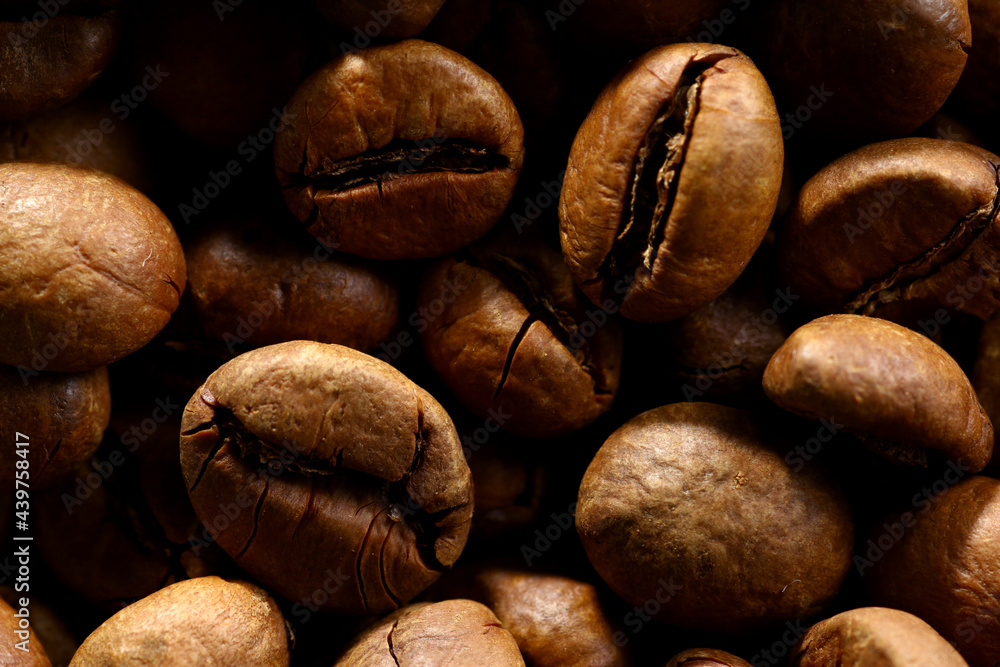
672	181
200	621
337	465
693	505
951	549
251	285
874	637
894	389
400	151
90	269
896	69
514	339
458	632
48	57
63	416
905	230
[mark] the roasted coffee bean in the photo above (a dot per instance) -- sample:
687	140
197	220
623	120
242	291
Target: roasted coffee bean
90	270
896	69
892	388
456	632
690	506
555	620
399	151
516	342
874	637
672	181
63	416
84	132
906	230
50	54
251	285
343	476
941	565
207	621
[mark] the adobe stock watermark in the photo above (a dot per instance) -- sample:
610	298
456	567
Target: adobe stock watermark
534	206
305	607
562	523
640	616
562	12
419	320
363	35
131	440
881	202
50	350
749	334
223	7
921	502
473	442
897	20
247	151
795	120
85	141
774	653
265	308
714	28
802	454
960	295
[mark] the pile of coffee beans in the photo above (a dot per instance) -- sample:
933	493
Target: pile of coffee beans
398	333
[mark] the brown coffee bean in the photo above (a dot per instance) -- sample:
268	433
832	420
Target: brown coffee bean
90	270
250	285
874	637
516	342
691	506
17	650
85	132
903	230
50	54
896	69
943	567
455	632
207	621
346	481
706	657
512	41
63	417
555	620
386	19
399	151
891	387
672	181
